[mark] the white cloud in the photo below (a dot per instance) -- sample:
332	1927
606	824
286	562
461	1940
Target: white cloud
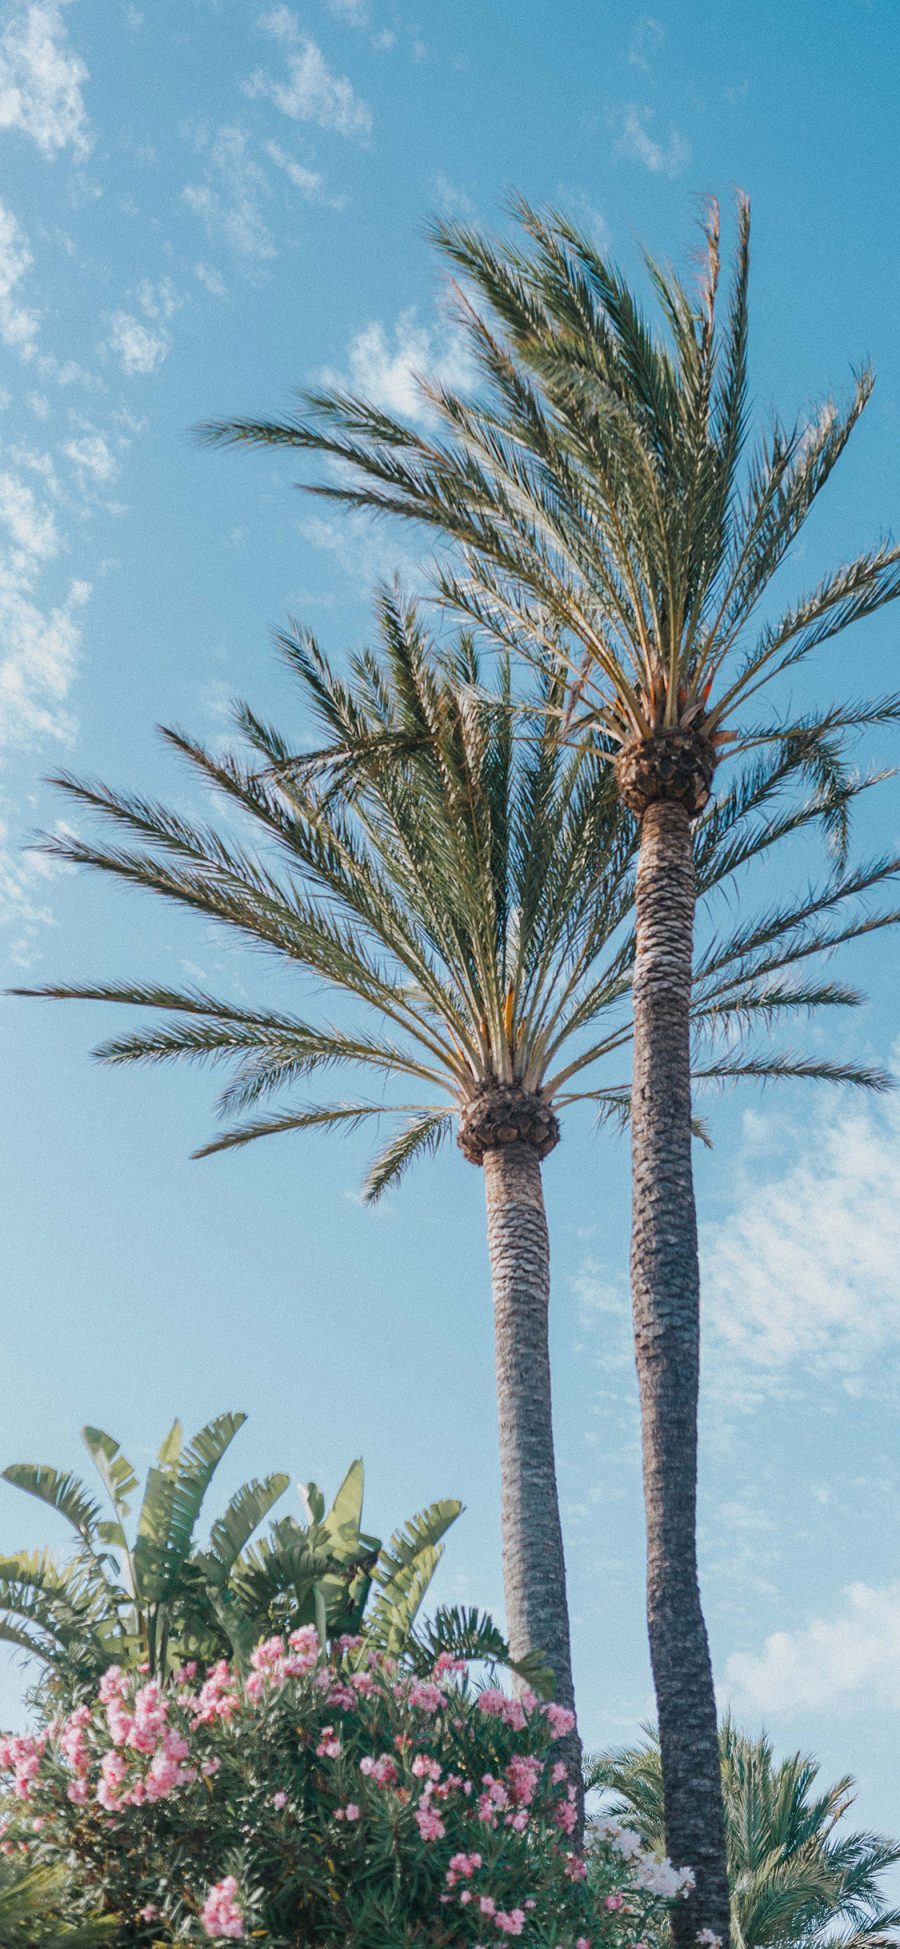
384	367
91	456
229	204
160	301
365	556
308	181
803	1272
311	92
848	1660
18	325
282	25
40	645
355	11
636	142
139	348
207	275
41	79
647	41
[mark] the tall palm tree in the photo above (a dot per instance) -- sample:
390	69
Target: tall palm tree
469	892
600	492
800	1879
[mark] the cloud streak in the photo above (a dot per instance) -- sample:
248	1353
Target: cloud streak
830	1665
41	80
310	92
802	1274
637	144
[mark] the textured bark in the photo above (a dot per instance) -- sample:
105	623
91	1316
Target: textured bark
671	765
666	1301
534	1571
502	1113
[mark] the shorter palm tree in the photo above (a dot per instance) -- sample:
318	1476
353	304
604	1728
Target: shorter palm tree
156	1598
799	1878
462	881
33	1908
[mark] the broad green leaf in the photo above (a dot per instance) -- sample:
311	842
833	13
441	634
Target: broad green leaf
232	1532
116	1474
62	1492
420	1532
312	1500
345	1515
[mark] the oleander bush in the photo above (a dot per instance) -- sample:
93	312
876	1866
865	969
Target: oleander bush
320	1798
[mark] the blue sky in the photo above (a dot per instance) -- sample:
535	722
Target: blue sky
202	207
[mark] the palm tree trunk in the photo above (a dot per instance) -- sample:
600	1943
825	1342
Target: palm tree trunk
666	1302
534	1571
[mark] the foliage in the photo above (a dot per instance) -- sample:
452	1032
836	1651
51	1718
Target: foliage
600	486
325	1802
155	1598
800	1879
445	865
35	1909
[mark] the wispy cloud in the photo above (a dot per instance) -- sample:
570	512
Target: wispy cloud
230	200
384	365
354	11
40	643
139	348
636	142
41	79
829	1665
647	41
310	93
802	1274
92	458
18	324
308	181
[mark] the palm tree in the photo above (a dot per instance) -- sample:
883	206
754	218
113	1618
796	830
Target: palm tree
154	1599
468	892
799	1878
33	1908
600	494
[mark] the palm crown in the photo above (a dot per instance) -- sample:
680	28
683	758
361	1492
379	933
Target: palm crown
599	485
469	884
799	1875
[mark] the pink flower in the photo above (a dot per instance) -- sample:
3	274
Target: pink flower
446	1663
279	1800
305	1645
487	1905
497	1706
113	1684
218	1696
523	1774
462	1866
221	1915
429	1823
425	1768
560	1720
612	1902
427	1697
510	1921
150	1913
329	1746
383	1771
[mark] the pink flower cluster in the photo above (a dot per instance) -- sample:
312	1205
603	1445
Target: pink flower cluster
221	1914
21	1755
387	1759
